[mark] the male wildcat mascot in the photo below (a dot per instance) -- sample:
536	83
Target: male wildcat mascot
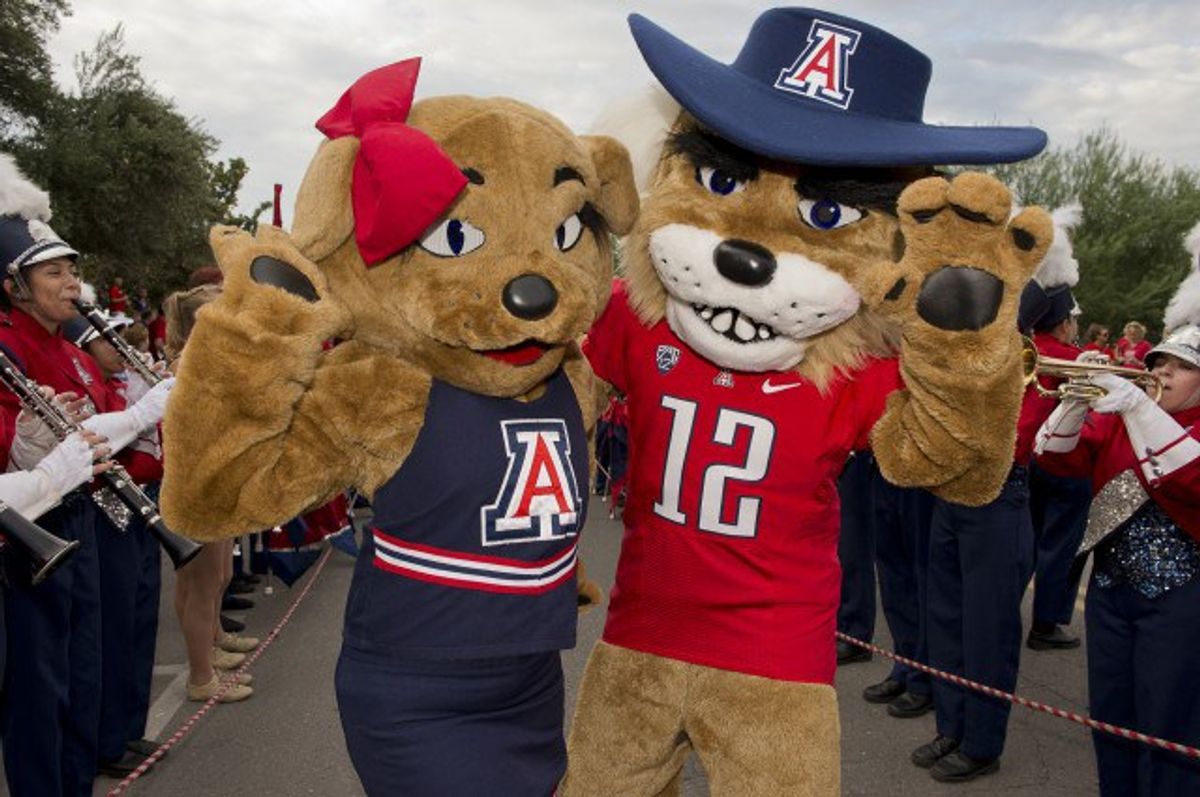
792	223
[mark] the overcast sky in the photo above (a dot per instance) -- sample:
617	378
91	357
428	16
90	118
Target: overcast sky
257	75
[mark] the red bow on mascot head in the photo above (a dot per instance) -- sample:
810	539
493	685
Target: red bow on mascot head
402	180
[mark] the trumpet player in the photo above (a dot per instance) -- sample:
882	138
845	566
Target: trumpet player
1143	603
50	715
1058	505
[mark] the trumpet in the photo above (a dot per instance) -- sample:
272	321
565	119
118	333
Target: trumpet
1077	375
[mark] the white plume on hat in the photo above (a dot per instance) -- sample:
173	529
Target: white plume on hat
19	196
1059	266
87	292
1184	307
640	121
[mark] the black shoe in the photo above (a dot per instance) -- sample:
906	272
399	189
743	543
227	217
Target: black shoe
250	578
909	705
233	603
123	766
929	754
958	767
144	748
232	626
885	691
237	587
1050	637
851	654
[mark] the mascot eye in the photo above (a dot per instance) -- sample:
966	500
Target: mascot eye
825	214
718	182
452	238
567	234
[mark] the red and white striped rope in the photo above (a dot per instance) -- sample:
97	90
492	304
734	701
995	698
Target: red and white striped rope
186	728
1115	730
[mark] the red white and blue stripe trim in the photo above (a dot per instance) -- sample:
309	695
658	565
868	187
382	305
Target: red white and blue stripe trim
472	571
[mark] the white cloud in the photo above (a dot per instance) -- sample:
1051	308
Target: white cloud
259	74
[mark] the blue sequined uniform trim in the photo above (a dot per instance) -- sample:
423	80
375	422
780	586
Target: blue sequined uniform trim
1150	553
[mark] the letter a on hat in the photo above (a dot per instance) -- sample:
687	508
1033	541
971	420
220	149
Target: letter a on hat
821	70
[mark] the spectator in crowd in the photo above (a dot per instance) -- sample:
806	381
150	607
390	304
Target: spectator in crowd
1133	347
200	584
1097	338
117	302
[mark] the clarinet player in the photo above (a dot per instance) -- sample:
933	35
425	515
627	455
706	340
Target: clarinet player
50	715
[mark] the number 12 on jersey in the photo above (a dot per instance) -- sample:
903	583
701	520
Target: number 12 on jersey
716	477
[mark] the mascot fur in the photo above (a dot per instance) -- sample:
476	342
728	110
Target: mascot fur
455	254
793	230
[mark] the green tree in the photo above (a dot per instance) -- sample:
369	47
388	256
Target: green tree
128	175
1136	211
26	80
226	180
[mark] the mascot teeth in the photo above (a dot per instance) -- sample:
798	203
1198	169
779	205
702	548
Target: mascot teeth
733	324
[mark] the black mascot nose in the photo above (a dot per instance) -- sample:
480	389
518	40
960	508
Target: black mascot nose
744	262
530	297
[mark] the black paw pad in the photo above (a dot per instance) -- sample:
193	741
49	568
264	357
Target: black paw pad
960	298
269	271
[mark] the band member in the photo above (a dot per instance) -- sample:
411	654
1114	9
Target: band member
50	715
1143	459
130	568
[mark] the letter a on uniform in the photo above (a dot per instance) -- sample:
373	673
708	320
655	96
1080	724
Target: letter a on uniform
822	70
539	499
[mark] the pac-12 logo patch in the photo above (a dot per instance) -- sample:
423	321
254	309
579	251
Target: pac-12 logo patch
666	358
539	499
822	70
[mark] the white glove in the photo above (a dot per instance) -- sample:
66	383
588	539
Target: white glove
68	465
34	492
122	428
135	386
1160	444
1121	395
1093	357
1060	432
150	408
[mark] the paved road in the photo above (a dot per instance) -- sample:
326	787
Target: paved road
287	740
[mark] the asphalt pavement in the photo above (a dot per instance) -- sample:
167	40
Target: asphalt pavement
287	739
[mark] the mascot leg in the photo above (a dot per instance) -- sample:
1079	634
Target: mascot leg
758	737
627	737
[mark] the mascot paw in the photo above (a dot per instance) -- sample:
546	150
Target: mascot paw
955	292
965	262
268	282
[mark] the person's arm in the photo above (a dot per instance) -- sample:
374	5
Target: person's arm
1162	447
34	492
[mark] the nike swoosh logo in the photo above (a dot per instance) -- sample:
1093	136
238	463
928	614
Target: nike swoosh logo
768	388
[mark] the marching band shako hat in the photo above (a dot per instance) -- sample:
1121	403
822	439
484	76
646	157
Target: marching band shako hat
27	242
1184	343
819	88
1042	308
81	332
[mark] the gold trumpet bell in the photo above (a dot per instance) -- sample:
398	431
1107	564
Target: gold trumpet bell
1077	376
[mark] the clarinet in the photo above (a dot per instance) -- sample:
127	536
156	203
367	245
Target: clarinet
42	550
131	499
127	352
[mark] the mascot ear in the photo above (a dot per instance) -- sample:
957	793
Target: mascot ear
324	213
618	193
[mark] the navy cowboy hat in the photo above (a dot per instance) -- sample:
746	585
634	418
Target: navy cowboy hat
819	88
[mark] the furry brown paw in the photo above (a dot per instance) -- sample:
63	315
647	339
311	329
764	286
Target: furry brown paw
269	283
965	262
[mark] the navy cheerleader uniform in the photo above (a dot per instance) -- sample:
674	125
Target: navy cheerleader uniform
449	681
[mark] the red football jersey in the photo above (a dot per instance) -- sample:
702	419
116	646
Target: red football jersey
730	552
